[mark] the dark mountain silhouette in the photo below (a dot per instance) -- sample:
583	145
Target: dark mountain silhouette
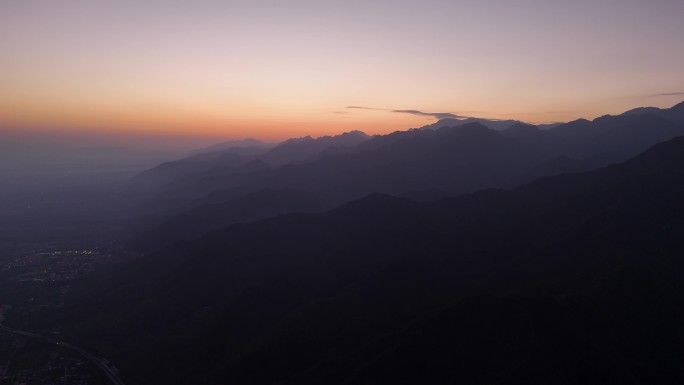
211	162
175	171
642	111
245	208
521	130
300	149
492	124
225	155
569	279
558	166
614	138
549	126
451	160
473	156
470	156
674	114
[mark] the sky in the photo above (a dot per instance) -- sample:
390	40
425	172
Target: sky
278	69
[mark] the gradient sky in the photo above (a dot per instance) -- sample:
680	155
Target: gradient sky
276	69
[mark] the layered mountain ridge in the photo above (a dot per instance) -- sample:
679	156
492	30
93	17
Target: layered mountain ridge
568	279
451	159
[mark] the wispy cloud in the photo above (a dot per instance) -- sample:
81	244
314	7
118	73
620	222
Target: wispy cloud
669	94
436	115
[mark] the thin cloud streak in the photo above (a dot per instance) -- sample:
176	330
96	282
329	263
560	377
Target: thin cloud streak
669	94
436	115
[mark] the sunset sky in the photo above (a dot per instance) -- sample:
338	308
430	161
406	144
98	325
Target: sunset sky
277	69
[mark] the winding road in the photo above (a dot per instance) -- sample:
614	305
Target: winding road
109	371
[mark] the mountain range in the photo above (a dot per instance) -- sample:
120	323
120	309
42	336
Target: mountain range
565	279
569	279
452	156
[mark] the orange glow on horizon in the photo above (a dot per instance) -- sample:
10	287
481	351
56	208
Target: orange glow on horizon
260	69
278	125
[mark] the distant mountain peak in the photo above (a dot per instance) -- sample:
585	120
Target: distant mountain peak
357	133
493	124
467	131
297	140
348	134
678	107
641	110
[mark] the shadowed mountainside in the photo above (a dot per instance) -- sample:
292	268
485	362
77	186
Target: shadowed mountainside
245	208
569	279
237	153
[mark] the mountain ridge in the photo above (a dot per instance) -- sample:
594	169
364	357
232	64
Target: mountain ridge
474	156
344	296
